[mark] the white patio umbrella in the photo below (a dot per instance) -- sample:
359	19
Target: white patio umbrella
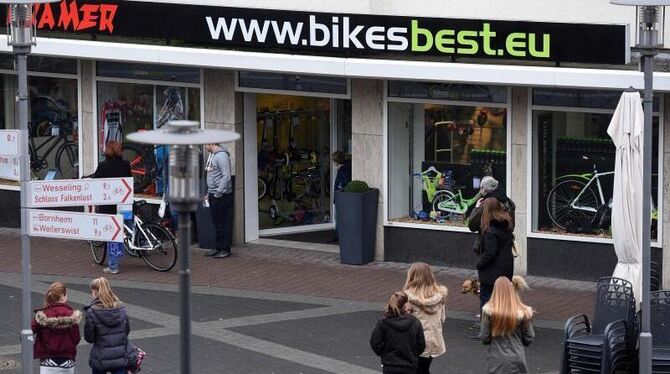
626	130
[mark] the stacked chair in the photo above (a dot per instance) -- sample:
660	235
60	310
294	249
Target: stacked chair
660	331
606	343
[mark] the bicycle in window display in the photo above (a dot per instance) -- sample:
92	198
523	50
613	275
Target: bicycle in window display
51	119
576	202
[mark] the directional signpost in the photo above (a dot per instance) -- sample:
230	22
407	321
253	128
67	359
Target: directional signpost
78	192
70	225
9	142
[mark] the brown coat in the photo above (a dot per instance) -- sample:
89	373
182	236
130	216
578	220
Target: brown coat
432	312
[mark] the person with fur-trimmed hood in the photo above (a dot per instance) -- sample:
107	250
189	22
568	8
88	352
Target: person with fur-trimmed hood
428	301
56	329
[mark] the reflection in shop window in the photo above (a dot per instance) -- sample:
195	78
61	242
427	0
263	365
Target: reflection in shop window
438	155
53	128
574	172
127	108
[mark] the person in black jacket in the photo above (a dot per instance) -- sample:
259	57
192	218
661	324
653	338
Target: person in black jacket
107	328
398	337
496	258
488	188
114	166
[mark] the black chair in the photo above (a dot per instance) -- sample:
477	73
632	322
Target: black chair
605	344
660	331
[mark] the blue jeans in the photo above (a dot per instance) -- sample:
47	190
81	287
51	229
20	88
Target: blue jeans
114	254
113	371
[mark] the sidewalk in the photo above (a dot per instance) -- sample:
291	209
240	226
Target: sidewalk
291	271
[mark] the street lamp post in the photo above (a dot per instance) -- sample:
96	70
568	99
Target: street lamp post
650	17
184	195
21	36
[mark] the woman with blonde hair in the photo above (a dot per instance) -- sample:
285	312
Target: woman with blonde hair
507	328
107	328
428	301
56	329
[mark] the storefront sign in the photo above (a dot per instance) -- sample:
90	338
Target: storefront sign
68	225
75	192
9	168
9	142
341	35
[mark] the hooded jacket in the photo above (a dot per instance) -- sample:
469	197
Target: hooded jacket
56	329
107	329
475	218
398	341
497	259
506	353
432	312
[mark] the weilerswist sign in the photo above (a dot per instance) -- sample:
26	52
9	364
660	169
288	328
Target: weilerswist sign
331	34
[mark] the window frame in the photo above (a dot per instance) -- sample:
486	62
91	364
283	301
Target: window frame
76	77
326	95
531	185
148	82
385	163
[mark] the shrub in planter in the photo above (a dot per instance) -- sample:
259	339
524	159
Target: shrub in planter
357	222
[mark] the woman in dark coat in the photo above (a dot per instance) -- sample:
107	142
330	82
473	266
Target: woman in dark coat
107	328
114	166
496	259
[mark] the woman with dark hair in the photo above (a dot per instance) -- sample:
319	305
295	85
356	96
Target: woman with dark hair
496	259
114	166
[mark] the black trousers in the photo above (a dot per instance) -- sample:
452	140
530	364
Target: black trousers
424	365
222	216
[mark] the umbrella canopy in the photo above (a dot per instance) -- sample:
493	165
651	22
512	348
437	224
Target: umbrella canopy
626	130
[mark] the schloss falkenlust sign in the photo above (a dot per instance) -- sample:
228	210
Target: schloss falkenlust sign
331	34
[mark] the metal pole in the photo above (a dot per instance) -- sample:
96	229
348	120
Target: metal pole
184	238
24	170
645	333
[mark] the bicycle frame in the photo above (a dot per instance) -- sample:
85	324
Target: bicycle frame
594	177
132	232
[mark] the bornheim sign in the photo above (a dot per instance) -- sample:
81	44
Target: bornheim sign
332	34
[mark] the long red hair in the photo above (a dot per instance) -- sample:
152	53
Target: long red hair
506	309
113	150
493	210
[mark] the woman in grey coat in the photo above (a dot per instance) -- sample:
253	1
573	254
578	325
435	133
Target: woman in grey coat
507	328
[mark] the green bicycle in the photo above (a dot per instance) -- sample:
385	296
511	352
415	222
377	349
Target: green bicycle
454	203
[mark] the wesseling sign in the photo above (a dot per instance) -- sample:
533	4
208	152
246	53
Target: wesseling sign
331	34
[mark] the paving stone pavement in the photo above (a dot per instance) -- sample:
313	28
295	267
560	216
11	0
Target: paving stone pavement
286	333
293	271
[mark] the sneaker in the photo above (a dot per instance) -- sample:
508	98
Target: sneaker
213	252
110	271
222	254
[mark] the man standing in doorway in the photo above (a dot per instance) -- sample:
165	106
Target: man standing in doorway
220	198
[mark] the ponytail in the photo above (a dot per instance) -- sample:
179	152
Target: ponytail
396	305
104	293
54	294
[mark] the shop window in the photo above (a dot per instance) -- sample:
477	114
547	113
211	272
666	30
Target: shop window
291	82
438	154
128	107
52	123
42	64
447	91
573	163
167	73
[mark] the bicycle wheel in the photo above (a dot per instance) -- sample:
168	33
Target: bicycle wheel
563	195
142	165
99	251
163	255
67	160
262	188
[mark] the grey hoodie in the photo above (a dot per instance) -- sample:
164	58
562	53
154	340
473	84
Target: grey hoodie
219	180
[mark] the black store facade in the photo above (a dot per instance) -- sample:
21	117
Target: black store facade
424	107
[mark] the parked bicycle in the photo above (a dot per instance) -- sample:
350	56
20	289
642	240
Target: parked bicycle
148	240
576	199
52	120
143	165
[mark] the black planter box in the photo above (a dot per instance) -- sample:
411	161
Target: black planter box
357	225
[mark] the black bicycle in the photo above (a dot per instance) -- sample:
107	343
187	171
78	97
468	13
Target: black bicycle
52	120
